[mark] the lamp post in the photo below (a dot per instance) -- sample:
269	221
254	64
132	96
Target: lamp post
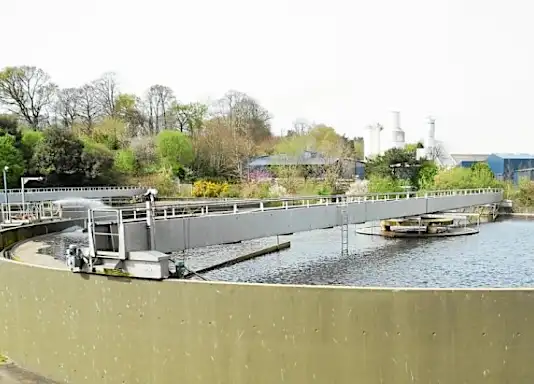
23	181
6	198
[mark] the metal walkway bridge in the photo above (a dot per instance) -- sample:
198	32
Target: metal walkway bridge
52	194
181	226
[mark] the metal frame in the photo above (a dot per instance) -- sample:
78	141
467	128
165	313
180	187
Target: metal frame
189	209
74	189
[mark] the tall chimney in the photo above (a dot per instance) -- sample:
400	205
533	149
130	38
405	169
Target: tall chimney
396	120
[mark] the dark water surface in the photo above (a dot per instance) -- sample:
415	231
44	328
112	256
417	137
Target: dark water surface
501	255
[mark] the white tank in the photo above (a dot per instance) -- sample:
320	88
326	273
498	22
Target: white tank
398	139
377	132
371	140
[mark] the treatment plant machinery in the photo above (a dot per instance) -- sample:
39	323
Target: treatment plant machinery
106	256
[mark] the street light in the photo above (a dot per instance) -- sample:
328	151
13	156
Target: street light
6	198
24	180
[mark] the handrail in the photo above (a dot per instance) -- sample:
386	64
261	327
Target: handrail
203	208
365	196
72	189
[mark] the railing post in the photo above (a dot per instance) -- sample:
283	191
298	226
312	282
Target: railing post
165	213
261	205
286	204
173	211
307	203
206	210
235	208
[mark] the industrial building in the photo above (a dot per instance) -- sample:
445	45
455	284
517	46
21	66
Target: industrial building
504	165
523	174
350	168
467	160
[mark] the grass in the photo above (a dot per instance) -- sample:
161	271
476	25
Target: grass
3	359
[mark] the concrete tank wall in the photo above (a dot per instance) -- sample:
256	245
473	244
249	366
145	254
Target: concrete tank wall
176	234
97	329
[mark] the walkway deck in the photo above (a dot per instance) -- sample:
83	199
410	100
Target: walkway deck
27	252
12	374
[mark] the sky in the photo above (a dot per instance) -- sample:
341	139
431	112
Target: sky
347	64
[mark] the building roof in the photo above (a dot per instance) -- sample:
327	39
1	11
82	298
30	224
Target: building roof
306	158
514	156
469	157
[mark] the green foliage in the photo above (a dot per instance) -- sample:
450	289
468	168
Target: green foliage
97	163
426	175
525	193
110	132
478	176
396	163
12	158
126	162
384	184
482	176
174	150
30	140
59	152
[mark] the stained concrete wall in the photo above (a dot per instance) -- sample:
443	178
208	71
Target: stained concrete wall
96	329
177	234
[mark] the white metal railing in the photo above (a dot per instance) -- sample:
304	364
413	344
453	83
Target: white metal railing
174	210
72	189
31	211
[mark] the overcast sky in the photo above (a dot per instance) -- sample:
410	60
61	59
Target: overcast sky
346	63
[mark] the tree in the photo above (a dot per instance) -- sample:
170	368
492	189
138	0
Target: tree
59	153
12	158
159	101
220	151
125	162
9	126
127	109
107	93
189	117
395	163
97	163
30	140
27	91
111	133
244	114
358	148
68	106
89	109
174	150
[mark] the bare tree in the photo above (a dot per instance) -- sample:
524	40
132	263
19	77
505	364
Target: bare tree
300	127
28	92
245	114
107	92
159	99
89	109
67	106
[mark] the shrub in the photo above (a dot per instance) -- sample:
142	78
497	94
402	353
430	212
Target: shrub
379	184
125	162
203	188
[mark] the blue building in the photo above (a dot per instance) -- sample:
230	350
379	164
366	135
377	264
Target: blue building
504	165
467	160
522	174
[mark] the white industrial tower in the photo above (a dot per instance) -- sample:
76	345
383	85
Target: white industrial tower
430	140
397	134
371	141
